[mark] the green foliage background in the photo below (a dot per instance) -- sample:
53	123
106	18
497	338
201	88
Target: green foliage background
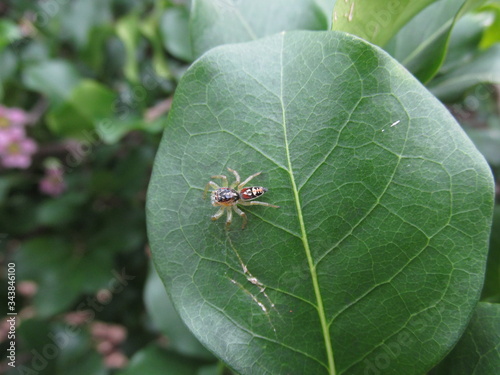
98	79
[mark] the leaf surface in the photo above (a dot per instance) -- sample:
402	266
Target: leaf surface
381	239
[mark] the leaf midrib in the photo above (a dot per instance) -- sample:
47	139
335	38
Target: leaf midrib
303	236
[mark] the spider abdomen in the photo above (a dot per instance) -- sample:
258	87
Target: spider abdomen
253	192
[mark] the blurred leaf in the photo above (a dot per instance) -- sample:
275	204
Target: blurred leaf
117	230
41	260
88	103
33	336
464	41
74	346
376	21
5	184
378	211
61	274
34	333
216	22
211	370
9	33
94	52
18	211
164	316
155	361
81	17
133	172
7	181
492	33
327	7
90	363
127	29
421	45
149	28
8	62
483	68
491	289
35	52
488	142
478	351
58	211
55	79
77	355
174	30
113	130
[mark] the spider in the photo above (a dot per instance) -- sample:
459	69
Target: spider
229	196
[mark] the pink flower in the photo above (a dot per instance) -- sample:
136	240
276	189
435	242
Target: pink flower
12	117
15	148
7	134
53	182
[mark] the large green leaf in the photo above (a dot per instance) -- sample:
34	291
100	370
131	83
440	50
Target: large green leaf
216	22
379	247
478	351
375	20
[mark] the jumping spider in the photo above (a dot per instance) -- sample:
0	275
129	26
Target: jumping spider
229	196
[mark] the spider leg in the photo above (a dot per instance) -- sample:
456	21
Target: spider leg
210	184
237	176
257	203
229	217
223	178
218	214
242	215
242	185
